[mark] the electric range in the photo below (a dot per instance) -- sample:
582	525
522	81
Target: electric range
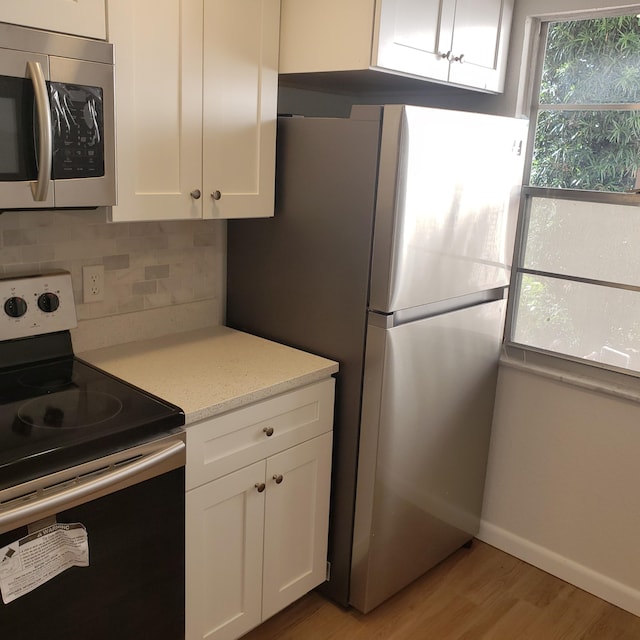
57	411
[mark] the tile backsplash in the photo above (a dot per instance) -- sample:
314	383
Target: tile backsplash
148	265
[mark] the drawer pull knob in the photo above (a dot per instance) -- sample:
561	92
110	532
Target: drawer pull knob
278	478
260	486
268	431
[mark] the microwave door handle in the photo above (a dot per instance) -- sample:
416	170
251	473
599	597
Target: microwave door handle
40	189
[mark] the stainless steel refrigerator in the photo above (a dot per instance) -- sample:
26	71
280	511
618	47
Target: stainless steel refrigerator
390	252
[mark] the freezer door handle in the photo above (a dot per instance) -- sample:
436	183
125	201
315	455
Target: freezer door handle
405	316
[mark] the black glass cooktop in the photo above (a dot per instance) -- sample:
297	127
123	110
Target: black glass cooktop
62	412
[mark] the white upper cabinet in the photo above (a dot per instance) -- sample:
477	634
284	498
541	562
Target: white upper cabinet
77	17
158	108
480	43
240	107
196	100
414	36
325	35
462	42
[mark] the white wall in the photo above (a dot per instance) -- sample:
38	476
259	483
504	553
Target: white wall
563	477
562	483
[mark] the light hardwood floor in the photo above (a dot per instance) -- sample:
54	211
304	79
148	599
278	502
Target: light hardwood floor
479	593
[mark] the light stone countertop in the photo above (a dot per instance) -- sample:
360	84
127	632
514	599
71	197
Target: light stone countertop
210	371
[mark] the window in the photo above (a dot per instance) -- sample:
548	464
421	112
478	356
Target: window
577	273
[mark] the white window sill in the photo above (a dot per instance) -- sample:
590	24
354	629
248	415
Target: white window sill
577	374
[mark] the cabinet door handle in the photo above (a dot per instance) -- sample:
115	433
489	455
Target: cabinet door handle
268	431
459	58
195	194
260	486
278	478
216	195
446	56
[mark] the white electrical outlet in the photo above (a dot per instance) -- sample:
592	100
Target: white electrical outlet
93	283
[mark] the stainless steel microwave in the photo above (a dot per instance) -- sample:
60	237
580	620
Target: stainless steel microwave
57	143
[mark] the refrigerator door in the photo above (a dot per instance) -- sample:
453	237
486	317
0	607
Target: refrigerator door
446	205
427	410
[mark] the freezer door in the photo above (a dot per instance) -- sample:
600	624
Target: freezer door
427	409
446	205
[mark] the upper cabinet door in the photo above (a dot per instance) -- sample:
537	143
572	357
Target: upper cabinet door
80	17
414	36
480	42
158	47
239	107
463	42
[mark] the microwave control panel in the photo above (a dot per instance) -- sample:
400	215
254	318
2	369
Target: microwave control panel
78	131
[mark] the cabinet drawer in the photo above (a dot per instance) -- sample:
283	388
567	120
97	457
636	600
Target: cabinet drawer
233	440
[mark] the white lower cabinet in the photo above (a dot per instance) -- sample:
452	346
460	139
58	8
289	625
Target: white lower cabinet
225	530
256	537
296	523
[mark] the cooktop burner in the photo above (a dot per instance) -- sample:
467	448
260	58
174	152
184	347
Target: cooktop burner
57	411
72	409
69	412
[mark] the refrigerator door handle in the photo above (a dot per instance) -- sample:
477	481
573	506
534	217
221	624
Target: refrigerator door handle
404	316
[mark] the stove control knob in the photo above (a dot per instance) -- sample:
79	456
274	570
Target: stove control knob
15	307
48	302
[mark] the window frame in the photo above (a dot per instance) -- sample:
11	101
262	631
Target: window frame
519	352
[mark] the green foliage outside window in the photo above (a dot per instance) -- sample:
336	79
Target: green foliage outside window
578	286
589	62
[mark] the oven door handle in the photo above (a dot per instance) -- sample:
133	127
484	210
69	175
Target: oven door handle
40	188
167	458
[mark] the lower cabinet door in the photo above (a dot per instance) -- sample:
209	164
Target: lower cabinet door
296	522
256	540
224	535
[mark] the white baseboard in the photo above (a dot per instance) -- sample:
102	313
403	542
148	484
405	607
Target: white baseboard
579	575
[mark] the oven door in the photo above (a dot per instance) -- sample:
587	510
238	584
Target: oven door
132	506
25	164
